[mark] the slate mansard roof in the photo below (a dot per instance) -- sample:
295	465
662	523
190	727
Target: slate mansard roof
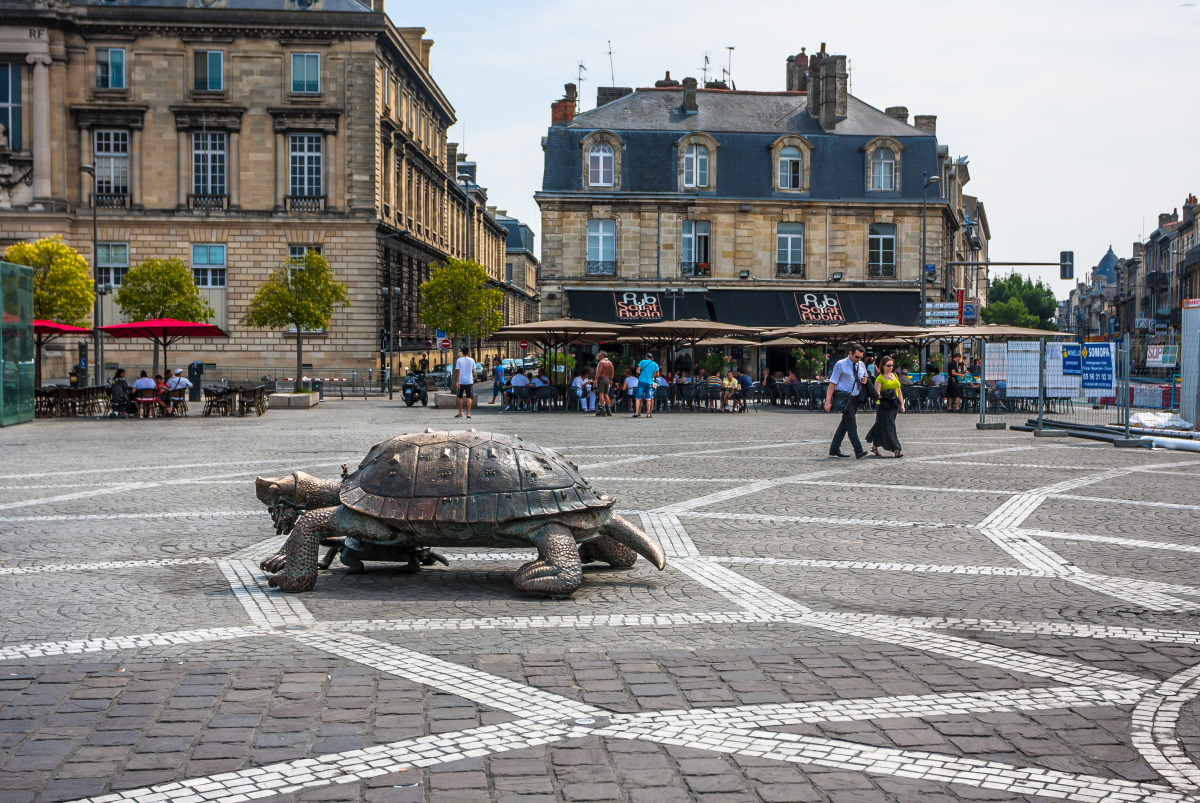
744	124
349	6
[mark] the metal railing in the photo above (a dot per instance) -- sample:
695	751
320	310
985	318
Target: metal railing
881	271
110	200
207	203
304	203
792	269
695	268
601	268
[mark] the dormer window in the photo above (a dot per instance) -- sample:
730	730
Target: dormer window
791	168
695	166
600	165
883	170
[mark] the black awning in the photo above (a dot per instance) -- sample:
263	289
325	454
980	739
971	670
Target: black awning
776	309
635	306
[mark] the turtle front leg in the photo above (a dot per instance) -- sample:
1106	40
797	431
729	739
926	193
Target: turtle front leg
608	550
557	572
299	570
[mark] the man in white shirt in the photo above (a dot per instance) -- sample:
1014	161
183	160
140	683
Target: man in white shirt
464	379
519	380
846	384
178	381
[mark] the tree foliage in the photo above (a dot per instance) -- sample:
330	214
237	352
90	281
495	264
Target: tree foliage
456	299
63	291
809	360
301	293
162	288
1036	299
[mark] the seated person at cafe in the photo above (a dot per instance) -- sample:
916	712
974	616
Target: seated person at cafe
631	383
905	376
122	395
716	389
743	391
177	382
519	380
143	382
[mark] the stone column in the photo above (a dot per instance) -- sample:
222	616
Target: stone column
185	158
85	158
281	169
41	123
135	169
333	173
233	166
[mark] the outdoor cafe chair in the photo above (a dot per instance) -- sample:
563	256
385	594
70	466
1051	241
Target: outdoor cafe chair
687	395
147	402
702	400
522	396
547	394
178	399
662	398
912	397
970	399
216	399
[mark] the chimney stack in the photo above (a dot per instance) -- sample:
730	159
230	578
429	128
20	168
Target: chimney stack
927	123
1137	250
797	72
666	82
689	96
1189	208
831	87
562	112
607	94
897	112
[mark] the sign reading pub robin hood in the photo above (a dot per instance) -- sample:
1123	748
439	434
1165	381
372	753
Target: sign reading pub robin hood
638	307
819	308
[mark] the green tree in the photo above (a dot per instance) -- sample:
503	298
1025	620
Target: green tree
809	360
63	290
1037	299
1011	312
301	293
162	288
457	300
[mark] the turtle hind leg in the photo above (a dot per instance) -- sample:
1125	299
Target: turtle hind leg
351	560
557	572
608	550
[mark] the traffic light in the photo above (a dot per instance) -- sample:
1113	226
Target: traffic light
1066	264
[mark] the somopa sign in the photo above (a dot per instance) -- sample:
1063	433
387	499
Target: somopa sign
633	306
819	308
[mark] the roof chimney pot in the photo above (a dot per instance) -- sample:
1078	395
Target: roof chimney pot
689	96
927	123
898	112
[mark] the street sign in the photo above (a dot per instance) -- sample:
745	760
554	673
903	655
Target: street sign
440	334
962	294
1162	356
1072	359
444	343
524	344
970	312
952	305
428	343
1099	367
931	269
1066	264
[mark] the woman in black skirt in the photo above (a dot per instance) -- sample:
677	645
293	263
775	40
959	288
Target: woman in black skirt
890	401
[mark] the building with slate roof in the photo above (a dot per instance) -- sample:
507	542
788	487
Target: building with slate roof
235	135
767	209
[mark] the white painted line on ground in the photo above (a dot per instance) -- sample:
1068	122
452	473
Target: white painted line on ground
194	514
265	606
109	644
112	564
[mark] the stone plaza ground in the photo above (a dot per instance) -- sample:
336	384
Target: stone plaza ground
993	617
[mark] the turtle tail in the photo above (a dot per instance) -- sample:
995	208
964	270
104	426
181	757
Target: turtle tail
623	532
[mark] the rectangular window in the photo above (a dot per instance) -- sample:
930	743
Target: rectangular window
112	261
10	103
881	251
602	241
695	244
208	65
208	162
306	172
508	273
306	72
208	265
296	253
110	68
112	162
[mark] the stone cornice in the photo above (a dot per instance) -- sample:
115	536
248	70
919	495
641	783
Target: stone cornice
118	115
228	118
323	119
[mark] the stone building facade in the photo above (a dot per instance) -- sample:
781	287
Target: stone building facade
234	135
768	209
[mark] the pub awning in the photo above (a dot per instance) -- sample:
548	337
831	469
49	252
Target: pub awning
636	306
779	309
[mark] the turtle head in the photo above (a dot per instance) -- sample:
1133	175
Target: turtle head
271	490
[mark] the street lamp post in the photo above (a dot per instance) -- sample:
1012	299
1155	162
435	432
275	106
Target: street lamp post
97	306
929	182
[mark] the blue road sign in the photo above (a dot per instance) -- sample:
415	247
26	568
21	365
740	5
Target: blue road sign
440	334
1072	359
1099	366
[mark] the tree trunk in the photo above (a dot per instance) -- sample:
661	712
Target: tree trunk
299	360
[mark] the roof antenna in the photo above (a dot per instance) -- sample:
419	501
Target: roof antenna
579	82
729	71
704	70
611	72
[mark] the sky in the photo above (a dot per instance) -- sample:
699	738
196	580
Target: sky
1080	119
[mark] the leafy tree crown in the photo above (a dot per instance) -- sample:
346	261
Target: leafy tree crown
63	291
457	300
162	288
1035	298
301	293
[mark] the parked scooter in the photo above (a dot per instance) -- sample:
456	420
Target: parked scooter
415	389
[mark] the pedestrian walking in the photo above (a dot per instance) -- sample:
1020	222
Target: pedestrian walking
498	383
846	386
956	374
464	376
889	402
604	379
645	387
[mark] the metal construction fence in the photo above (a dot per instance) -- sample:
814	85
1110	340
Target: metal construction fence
1112	385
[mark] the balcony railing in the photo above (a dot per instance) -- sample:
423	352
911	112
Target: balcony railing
304	203
793	269
1157	279
695	269
111	200
207	203
881	271
601	268
1191	256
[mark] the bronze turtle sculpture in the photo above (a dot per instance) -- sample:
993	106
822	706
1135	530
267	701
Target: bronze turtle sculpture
451	489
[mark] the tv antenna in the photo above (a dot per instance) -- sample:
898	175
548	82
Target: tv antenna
579	83
729	70
611	72
704	70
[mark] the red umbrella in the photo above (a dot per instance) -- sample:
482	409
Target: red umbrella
163	331
43	333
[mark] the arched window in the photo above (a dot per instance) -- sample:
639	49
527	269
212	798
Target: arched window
883	170
600	165
791	168
695	166
789	250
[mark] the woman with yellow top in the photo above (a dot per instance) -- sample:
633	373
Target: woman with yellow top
890	401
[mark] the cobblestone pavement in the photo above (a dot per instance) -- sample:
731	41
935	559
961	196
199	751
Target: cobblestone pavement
993	617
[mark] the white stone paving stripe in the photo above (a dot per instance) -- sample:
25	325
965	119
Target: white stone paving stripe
266	607
549	621
112	564
195	514
1108	539
1143	595
1140	502
897	487
175	467
1153	729
463	681
737	588
108	644
644	458
1031	553
670	534
818	520
1002	571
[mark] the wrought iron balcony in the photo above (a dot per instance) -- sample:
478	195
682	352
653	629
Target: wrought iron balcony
304	203
881	271
792	269
111	200
1157	278
601	268
695	268
207	203
1191	256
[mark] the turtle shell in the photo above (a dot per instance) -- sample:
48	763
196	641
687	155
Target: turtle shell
470	481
